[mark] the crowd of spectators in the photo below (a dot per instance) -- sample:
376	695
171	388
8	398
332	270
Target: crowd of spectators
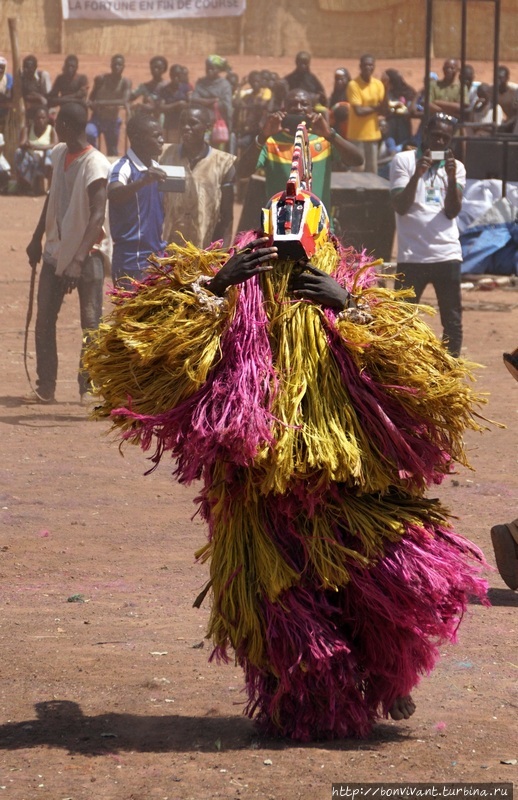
381	115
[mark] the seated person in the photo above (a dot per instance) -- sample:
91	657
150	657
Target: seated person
508	99
507	92
400	96
482	113
32	162
467	77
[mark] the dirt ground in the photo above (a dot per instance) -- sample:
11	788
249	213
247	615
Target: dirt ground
106	692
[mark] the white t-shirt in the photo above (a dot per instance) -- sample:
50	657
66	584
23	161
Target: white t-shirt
68	211
486	117
425	234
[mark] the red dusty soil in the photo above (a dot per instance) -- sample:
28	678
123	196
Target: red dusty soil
113	698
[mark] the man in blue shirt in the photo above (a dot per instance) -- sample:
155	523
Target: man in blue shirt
135	204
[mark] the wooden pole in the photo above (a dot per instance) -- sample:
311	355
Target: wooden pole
16	116
428	58
242	26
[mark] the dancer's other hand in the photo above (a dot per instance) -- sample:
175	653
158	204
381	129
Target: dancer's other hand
243	265
319	287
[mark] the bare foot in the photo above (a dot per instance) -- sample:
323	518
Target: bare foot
402	708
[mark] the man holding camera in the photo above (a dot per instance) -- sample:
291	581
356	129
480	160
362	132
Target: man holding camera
426	191
273	148
135	204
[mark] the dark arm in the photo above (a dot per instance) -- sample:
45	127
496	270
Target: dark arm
41	147
446	106
80	95
243	265
247	164
116	102
98	80
403	199
453	199
93	230
348	152
317	286
92	234
120	193
34	248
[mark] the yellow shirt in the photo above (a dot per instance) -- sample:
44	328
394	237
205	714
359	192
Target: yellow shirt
360	93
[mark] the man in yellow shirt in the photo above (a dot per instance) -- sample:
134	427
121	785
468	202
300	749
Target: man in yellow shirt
366	96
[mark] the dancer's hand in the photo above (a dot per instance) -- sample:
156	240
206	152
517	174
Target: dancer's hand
243	265
319	287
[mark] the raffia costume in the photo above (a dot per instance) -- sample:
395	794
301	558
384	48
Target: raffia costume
314	435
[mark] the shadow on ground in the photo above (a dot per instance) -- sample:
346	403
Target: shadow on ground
62	724
44	415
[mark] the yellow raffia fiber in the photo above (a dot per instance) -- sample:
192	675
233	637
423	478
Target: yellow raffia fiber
305	405
319	436
398	349
157	345
247	566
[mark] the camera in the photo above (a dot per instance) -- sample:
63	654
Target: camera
291	121
438	155
175	179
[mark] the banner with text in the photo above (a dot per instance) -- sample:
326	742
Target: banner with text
151	9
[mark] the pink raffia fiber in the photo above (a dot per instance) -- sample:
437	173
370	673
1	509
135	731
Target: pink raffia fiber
336	660
417	447
333	597
228	417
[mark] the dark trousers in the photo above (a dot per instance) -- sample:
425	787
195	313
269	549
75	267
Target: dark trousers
445	279
110	128
50	299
